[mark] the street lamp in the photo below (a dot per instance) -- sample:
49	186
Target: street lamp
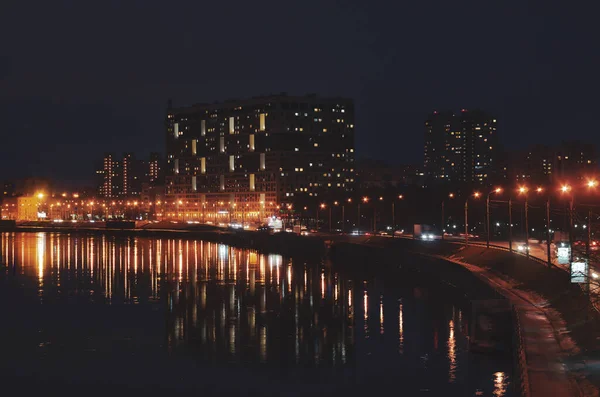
540	190
364	200
497	190
344	215
320	207
566	189
450	195
476	195
400	197
523	190
591	184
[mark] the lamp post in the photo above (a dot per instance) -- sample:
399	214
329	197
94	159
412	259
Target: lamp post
548	257
344	215
523	190
289	216
375	215
566	189
476	195
400	197
591	184
487	212
336	204
364	200
450	195
321	206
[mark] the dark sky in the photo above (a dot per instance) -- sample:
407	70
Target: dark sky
78	78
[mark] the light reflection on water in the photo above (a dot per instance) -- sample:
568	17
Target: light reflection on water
230	306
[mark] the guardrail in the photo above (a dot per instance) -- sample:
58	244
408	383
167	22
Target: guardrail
520	358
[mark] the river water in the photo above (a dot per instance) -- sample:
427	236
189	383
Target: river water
96	314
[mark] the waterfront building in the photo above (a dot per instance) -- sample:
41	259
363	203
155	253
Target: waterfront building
244	159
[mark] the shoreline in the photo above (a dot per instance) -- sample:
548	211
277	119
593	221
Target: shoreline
287	244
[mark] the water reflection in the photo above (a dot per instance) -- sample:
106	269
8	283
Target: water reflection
233	306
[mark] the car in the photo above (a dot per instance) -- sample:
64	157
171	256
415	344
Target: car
522	247
427	236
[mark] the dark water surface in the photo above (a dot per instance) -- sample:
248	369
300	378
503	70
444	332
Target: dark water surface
105	315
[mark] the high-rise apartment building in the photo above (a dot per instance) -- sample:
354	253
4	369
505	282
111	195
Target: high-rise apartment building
109	177
133	175
125	177
154	168
461	147
243	158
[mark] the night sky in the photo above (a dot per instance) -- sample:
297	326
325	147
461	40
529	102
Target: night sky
78	78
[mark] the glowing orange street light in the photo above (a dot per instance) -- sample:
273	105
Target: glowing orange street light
592	183
497	190
565	188
380	198
475	195
539	189
451	195
322	206
365	199
523	190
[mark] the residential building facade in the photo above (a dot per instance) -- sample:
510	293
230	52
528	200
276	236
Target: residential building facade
461	147
245	158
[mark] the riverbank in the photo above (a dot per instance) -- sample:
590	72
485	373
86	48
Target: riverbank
561	331
287	244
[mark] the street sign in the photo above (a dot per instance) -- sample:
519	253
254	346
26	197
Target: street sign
579	272
563	254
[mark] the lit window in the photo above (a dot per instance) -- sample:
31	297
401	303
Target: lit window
263	121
